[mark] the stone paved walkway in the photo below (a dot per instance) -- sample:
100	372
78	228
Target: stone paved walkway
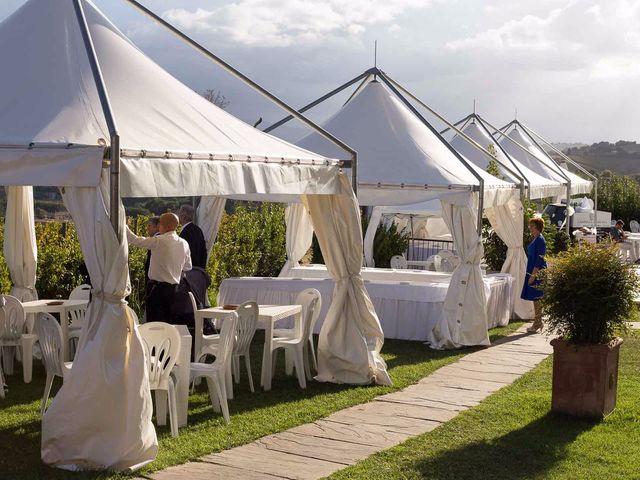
317	449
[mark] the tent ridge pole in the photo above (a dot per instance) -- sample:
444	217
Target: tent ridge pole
391	84
246	80
480	122
309	106
578	166
114	184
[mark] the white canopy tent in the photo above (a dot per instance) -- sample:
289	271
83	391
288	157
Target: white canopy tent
473	126
404	161
74	76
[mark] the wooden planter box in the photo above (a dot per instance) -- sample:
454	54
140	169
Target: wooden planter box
585	378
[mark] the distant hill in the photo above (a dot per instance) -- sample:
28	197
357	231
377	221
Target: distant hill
622	157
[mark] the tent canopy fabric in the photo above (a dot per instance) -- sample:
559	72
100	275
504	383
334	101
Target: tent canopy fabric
538	161
538	185
153	111
395	150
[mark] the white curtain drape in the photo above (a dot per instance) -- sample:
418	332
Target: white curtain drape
208	218
20	249
299	236
465	306
101	417
508	222
370	235
351	337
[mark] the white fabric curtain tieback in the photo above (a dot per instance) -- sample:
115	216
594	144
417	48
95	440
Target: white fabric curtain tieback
349	277
109	297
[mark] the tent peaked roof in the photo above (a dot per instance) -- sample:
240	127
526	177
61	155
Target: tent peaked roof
539	186
395	150
540	162
51	97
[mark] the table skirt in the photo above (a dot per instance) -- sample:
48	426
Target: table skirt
407	310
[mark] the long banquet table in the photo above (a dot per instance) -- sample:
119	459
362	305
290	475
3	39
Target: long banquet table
408	310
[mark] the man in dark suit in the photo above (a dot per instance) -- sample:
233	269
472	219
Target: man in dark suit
194	237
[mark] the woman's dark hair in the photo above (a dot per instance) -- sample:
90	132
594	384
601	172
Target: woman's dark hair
538	223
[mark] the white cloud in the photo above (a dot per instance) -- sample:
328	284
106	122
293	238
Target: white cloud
600	38
282	23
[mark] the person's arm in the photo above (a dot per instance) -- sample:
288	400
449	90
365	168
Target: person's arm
149	243
187	261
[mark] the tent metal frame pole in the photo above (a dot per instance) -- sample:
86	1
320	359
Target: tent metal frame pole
480	122
459	122
576	165
392	85
520	146
114	151
364	82
309	106
258	88
516	124
567	219
469	140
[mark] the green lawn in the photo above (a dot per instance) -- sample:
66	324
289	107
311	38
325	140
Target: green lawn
513	435
252	415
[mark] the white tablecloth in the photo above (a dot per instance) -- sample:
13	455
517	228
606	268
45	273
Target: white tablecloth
374	274
407	310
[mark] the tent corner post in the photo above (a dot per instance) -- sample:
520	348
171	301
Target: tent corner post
567	218
595	205
114	186
480	208
354	173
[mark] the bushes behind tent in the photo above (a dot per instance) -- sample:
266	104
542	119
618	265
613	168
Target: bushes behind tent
251	242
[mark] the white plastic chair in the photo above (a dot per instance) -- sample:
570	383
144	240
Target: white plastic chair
296	345
13	336
76	319
247	323
448	261
634	226
50	338
162	345
398	262
203	344
215	373
81	292
304	299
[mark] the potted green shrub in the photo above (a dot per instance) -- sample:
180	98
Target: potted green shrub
588	298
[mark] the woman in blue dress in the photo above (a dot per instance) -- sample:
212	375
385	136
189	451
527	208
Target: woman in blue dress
535	262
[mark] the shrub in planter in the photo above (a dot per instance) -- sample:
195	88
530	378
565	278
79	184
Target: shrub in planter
588	298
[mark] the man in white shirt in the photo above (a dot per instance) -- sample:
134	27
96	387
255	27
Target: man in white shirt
170	257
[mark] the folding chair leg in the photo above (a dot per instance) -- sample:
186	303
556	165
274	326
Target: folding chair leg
247	363
224	405
8	355
288	361
47	390
274	361
214	394
312	349
173	411
299	365
27	342
305	359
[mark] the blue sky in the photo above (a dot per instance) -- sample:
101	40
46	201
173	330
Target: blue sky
571	67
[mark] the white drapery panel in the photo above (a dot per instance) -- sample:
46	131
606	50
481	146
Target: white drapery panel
20	248
299	236
370	236
351	337
101	417
466	301
208	218
508	222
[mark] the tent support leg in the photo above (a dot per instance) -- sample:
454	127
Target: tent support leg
114	185
354	173
480	207
568	219
595	206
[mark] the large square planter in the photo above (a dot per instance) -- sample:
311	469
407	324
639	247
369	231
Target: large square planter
585	378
